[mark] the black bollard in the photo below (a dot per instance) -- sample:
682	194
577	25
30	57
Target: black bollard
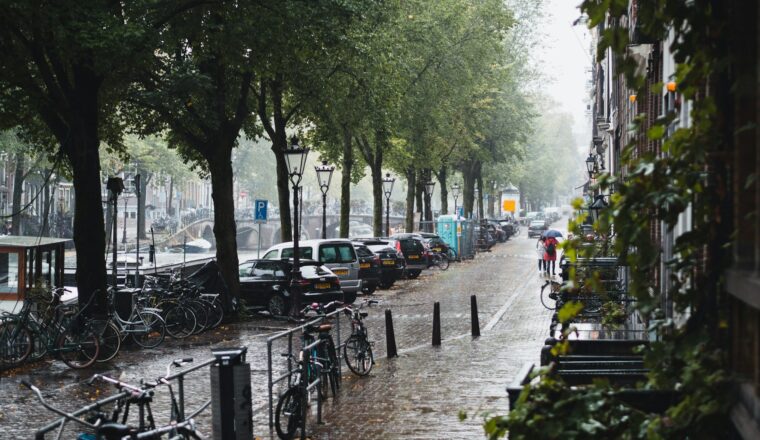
436	324
474	313
390	337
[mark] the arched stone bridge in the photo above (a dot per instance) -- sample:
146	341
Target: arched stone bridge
247	230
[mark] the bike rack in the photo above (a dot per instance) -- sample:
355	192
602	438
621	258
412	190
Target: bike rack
271	381
180	376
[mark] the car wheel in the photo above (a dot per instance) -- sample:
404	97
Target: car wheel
277	306
369	290
386	283
412	274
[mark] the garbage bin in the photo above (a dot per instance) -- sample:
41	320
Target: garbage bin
231	408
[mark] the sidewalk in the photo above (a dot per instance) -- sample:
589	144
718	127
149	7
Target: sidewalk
420	394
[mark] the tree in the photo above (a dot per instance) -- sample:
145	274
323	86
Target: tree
198	88
63	66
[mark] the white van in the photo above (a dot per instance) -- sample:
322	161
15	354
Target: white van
337	254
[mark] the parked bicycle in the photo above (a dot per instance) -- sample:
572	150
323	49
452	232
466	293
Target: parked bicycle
293	406
325	353
358	349
100	423
58	330
438	260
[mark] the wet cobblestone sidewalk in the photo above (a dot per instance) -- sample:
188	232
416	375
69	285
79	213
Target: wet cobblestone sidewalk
416	396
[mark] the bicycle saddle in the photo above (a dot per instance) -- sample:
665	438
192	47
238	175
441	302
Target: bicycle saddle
363	314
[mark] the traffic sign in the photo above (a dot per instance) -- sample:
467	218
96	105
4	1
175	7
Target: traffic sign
260	211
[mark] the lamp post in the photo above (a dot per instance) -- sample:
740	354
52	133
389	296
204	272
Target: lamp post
591	165
429	188
455	192
295	159
595	207
388	189
324	176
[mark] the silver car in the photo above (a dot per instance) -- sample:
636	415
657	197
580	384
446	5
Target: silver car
337	254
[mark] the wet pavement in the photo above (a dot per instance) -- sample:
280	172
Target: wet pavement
418	395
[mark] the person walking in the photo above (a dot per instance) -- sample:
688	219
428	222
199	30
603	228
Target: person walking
550	255
541	251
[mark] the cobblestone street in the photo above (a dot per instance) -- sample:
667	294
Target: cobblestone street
418	395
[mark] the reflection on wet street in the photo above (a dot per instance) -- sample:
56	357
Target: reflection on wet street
418	395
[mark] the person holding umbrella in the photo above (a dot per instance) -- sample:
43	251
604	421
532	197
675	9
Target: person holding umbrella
550	245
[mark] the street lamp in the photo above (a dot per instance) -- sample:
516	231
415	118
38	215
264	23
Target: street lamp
324	176
598	204
387	189
591	165
429	188
295	160
455	192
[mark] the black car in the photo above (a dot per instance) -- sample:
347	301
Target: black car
391	261
369	268
265	284
414	251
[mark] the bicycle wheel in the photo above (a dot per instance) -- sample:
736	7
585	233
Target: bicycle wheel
16	343
335	364
150	330
358	355
215	311
110	342
180	321
201	316
443	262
291	413
549	303
78	347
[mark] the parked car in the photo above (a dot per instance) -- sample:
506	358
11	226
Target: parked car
369	268
337	254
494	227
484	239
413	249
392	261
265	284
536	228
434	241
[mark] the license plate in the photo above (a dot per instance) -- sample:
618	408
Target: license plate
322	285
364	266
414	257
389	263
340	271
437	249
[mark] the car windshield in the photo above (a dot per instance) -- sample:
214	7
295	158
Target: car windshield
363	251
314	271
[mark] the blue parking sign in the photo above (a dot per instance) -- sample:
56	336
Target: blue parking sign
260	211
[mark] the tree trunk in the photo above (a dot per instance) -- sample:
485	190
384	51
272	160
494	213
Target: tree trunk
428	200
45	226
411	183
442	180
18	189
169	208
89	229
377	199
479	182
225	229
345	184
144	181
468	184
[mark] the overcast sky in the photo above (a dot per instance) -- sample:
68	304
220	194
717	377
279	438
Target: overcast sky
564	59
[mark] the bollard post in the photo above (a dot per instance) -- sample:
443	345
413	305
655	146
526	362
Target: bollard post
474	313
436	324
390	337
231	409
